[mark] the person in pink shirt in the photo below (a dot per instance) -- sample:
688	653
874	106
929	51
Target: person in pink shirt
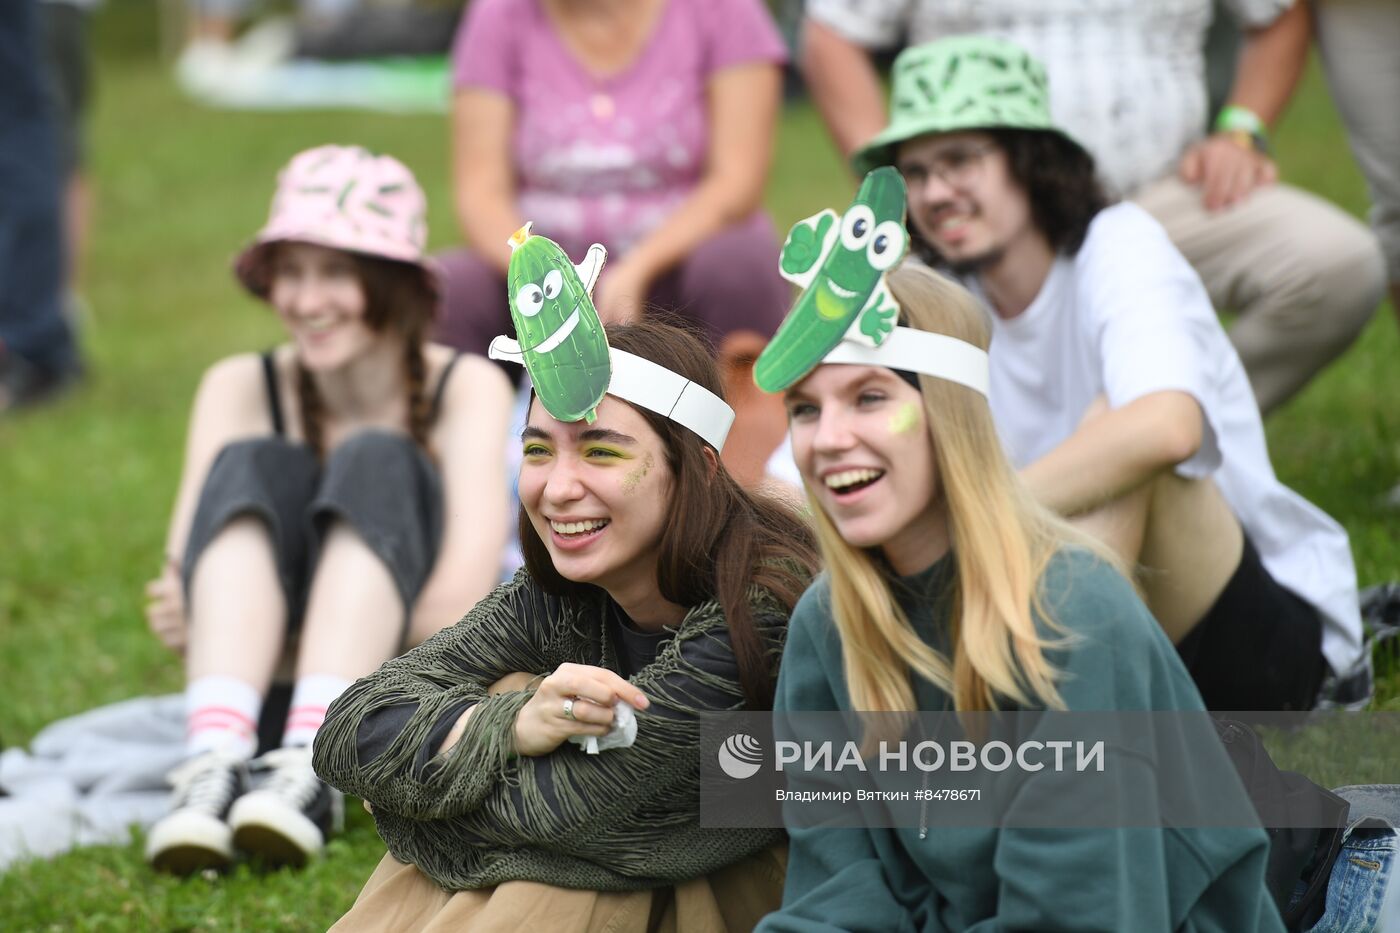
645	125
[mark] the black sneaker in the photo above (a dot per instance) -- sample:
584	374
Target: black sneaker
1380	617
287	820
1350	691
195	835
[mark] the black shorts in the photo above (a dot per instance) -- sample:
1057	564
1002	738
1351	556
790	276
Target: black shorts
379	482
1259	647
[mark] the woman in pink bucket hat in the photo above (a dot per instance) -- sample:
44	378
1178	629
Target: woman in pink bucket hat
334	508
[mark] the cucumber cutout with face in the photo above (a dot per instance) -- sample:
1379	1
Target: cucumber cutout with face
841	264
561	340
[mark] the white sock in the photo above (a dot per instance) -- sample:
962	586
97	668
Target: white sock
312	694
221	714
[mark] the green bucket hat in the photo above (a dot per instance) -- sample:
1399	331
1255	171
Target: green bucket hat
961	83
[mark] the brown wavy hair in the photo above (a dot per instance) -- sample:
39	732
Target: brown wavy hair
1061	181
719	541
397	298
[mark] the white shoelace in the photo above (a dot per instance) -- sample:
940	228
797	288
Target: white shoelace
293	778
205	783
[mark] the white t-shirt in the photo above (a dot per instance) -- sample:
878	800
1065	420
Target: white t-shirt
1127	317
1127	77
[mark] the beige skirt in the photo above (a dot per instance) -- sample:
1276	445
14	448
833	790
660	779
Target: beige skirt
400	898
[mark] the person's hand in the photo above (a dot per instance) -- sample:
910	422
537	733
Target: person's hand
1225	170
621	292
165	608
542	725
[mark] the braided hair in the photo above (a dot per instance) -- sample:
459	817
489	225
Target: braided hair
397	297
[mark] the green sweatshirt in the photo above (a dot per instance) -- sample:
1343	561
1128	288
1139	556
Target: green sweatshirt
478	815
999	879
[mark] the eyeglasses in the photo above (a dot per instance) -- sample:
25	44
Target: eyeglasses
957	166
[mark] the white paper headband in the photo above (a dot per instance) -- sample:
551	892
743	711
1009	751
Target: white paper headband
919	351
655	388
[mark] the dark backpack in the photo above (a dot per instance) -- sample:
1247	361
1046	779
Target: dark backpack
1305	823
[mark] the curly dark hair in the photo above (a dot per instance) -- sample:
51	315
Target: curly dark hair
1061	181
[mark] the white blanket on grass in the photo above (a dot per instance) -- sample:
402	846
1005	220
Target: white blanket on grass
88	779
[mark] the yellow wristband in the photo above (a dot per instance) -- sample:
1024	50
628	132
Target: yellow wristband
1240	138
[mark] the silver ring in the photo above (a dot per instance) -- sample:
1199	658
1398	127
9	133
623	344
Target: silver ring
569	709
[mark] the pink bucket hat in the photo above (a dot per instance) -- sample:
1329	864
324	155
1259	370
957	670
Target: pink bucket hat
344	197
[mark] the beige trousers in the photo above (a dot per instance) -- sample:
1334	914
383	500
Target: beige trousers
1359	41
1303	276
398	898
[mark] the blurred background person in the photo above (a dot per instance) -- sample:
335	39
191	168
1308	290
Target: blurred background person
1359	42
38	354
211	57
64	24
645	125
335	506
1128	80
222	59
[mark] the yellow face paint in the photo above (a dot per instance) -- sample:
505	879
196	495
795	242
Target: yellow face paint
905	419
632	480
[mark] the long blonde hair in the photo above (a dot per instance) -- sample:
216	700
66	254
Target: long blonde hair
1002	542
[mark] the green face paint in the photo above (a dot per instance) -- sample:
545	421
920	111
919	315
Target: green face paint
905	419
565	349
842	263
632	480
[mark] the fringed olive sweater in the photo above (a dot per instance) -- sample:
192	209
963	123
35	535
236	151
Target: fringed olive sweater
479	815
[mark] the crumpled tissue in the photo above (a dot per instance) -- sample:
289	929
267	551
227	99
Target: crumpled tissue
622	734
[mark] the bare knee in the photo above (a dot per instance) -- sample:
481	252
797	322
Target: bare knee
1119	523
1191	547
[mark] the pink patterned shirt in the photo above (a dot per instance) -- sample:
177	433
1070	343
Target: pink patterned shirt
606	159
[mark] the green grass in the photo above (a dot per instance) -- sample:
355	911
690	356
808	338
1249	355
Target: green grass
86	485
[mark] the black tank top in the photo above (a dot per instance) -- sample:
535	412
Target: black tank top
274	398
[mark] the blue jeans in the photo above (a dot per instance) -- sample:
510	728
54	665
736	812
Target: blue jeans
31	261
1363	894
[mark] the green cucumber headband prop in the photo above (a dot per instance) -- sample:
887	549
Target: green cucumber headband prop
562	345
846	313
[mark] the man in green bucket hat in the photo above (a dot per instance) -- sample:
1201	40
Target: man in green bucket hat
1113	385
1128	84
963	83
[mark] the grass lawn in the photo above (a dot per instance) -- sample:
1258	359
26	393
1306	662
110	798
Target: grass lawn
85	486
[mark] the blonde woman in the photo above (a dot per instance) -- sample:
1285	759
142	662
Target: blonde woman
949	588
